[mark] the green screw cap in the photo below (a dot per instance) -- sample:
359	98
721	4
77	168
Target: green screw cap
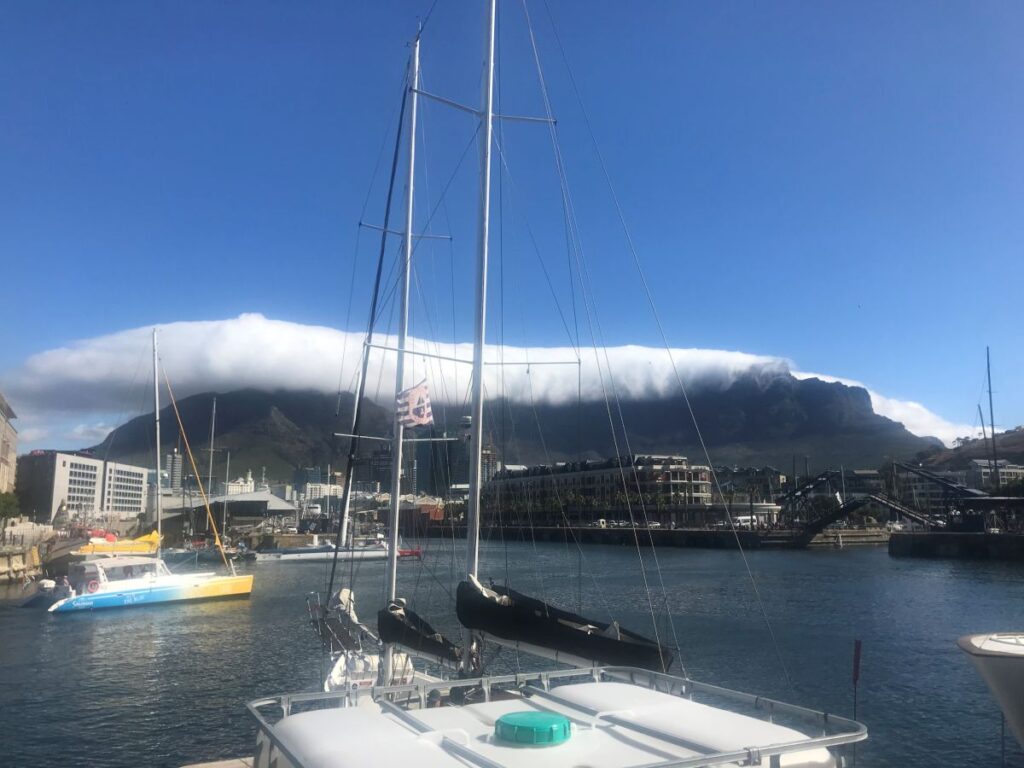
533	729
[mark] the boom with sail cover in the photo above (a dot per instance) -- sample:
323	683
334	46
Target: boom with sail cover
512	618
398	625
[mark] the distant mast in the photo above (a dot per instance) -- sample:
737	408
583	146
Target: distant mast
156	413
213	424
992	418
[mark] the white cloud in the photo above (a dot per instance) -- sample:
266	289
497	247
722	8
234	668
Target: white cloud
88	434
110	377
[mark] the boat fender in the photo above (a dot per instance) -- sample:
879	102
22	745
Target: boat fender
93	585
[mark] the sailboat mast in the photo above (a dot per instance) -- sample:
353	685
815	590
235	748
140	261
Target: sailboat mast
156	413
992	419
403	328
483	233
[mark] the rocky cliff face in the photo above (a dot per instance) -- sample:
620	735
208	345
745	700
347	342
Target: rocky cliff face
756	420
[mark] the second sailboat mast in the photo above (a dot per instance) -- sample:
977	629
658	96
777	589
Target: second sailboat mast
480	321
403	328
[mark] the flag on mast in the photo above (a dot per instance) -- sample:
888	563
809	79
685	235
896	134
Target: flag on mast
413	406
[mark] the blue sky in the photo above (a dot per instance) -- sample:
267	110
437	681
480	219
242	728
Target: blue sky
839	185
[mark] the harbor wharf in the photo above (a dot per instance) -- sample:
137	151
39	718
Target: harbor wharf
18	562
982	545
704	538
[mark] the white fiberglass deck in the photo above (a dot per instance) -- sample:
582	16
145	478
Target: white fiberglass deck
614	724
999	659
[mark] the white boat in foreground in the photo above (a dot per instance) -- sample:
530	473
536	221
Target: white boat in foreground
603	717
999	659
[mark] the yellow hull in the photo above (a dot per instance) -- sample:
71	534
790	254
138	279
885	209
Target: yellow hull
223	586
144	545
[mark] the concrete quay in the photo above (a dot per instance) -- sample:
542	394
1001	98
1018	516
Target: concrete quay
957	545
19	562
702	538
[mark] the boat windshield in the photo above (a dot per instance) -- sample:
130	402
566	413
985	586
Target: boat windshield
122	572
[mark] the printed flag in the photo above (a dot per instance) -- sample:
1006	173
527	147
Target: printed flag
413	406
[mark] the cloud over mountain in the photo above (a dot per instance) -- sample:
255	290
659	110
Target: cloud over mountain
109	375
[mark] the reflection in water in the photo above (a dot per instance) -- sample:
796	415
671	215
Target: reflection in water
166	685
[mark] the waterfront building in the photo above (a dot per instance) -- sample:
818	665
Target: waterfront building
50	483
323	490
78	485
926	495
980	473
8	447
746	484
124	489
659	481
240	485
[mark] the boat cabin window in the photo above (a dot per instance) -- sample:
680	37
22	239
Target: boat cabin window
80	575
130	571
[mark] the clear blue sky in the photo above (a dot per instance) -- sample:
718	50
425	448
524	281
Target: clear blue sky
839	184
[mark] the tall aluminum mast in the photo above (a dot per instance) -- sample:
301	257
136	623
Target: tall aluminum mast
480	322
156	413
403	329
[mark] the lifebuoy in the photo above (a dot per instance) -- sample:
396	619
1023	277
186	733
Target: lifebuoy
92	586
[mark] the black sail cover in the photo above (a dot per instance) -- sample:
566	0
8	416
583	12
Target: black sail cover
510	615
401	626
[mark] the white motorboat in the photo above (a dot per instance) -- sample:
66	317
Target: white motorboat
326	552
999	659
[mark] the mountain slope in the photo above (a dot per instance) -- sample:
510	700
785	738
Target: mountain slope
1009	446
279	430
753	422
756	420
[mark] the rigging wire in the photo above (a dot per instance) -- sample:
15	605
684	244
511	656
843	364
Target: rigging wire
664	337
355	249
360	387
597	337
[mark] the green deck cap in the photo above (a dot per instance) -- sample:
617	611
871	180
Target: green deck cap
533	729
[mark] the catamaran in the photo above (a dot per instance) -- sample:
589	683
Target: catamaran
122	581
618	707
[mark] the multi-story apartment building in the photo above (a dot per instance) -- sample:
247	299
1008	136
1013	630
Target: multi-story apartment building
124	489
980	473
77	485
8	447
657	479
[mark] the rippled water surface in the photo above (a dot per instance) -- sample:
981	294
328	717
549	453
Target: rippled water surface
167	685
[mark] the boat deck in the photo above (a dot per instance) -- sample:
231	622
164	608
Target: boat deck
619	717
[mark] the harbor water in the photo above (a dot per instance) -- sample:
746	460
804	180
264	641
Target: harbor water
167	685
